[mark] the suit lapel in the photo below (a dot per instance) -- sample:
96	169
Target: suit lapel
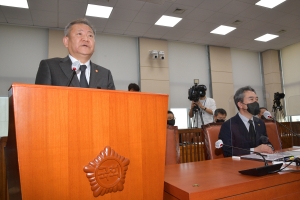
65	66
93	75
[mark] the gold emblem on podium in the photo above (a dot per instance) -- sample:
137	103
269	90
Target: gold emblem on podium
107	172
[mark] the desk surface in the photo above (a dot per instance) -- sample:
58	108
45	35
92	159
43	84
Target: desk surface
220	178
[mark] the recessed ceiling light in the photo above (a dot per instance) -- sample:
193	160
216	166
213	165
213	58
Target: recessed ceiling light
223	30
98	11
269	3
168	21
267	37
15	3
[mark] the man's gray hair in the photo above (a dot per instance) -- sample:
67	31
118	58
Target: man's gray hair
78	21
240	94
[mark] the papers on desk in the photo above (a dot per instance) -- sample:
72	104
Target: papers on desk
272	157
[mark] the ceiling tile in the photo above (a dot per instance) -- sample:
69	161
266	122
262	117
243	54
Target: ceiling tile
73	7
110	3
44	16
45	24
200	14
137	18
193	3
287	20
253	25
117	24
271	15
176	33
20	21
113	31
234	7
139	27
253	12
170	11
16	13
219	18
161	30
148	18
123	14
156	8
97	22
187	24
213	5
130	4
43	5
195	35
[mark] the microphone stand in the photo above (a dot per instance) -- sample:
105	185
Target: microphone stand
257	153
259	171
73	74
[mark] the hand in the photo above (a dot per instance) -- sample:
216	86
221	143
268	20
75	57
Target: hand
263	148
193	104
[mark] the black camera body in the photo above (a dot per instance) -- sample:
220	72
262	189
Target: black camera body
278	96
196	91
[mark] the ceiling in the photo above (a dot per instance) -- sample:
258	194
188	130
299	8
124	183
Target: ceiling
136	18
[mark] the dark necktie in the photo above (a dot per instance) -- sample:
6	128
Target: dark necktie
252	135
83	81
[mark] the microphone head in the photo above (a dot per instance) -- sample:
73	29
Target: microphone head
264	140
267	115
75	65
219	144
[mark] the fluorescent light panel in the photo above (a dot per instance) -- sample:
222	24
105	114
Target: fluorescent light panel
267	37
14	3
223	30
168	21
98	11
269	3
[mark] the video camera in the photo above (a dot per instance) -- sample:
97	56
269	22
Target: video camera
196	91
277	104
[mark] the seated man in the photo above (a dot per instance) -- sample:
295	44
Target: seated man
133	87
260	115
240	131
220	115
170	118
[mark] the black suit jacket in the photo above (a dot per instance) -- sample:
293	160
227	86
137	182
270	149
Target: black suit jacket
234	133
57	71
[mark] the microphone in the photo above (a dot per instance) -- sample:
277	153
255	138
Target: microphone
265	140
268	115
259	171
220	144
75	67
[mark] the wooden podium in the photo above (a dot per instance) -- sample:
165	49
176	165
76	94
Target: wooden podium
55	132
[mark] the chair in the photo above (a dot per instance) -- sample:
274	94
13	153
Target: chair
211	135
273	134
172	146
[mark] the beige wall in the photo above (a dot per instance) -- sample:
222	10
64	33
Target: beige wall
56	47
272	77
154	73
222	79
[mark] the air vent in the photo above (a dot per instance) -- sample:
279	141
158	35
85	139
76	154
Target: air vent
179	11
281	31
237	22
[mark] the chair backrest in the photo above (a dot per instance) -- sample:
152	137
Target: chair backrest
211	135
273	134
172	146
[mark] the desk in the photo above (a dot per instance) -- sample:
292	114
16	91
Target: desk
220	179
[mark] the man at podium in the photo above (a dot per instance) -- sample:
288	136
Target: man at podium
76	69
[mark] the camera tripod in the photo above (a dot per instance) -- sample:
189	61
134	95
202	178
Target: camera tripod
278	111
196	109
